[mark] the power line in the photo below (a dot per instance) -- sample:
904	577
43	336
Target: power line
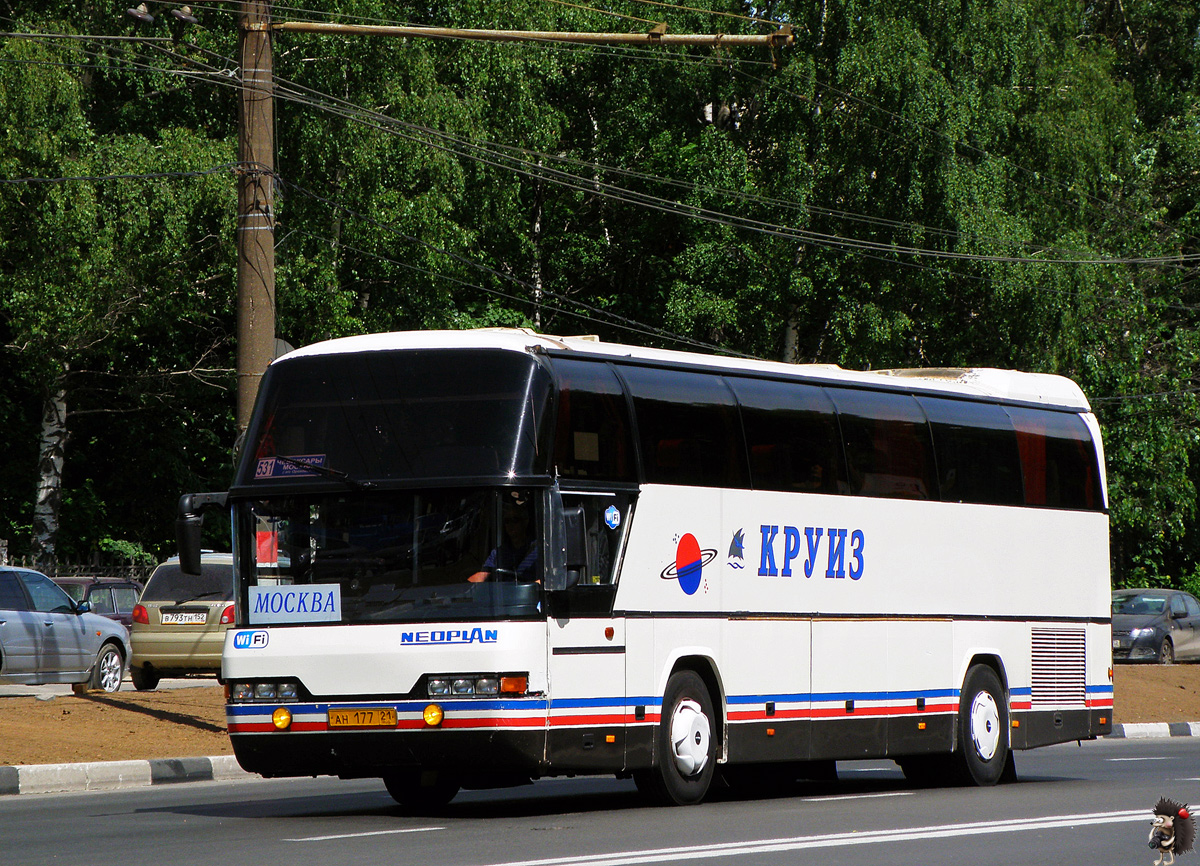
607	314
227	167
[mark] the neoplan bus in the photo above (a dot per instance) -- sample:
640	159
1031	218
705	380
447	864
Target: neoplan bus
472	559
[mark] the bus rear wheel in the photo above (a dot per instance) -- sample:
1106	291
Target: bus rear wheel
421	790
685	744
982	754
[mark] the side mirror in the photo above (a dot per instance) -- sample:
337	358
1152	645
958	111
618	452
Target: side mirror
83	607
187	535
568	546
188	527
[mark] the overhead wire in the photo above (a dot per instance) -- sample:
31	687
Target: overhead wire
589	185
609	316
832	239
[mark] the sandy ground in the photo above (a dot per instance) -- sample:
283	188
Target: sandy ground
187	722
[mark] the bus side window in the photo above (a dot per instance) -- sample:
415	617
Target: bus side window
889	452
593	525
976	447
1058	459
593	439
792	436
688	426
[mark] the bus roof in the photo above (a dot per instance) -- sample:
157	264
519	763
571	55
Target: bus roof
986	382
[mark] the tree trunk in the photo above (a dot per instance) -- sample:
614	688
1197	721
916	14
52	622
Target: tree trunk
51	449
536	238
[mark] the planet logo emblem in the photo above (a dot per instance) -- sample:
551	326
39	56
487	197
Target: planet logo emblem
689	564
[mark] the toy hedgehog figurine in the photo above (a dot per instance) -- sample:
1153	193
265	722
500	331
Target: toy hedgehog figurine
1173	831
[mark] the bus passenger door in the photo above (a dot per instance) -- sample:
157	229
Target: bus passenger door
586	643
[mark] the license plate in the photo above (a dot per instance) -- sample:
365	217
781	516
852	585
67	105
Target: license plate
363	717
196	618
1118	643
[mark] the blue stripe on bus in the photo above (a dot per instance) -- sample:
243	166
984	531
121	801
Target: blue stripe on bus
409	705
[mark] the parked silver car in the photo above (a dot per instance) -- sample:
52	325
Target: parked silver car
45	637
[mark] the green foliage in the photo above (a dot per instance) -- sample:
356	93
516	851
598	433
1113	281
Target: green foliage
936	183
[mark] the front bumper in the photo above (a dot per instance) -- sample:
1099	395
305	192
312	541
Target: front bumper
503	735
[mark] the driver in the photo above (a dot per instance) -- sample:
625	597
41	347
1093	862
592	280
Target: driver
518	552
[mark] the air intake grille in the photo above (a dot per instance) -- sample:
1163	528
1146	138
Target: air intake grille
1058	667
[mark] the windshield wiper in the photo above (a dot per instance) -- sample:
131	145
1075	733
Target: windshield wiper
325	471
199	596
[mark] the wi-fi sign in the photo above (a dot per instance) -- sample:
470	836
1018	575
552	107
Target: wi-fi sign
250	639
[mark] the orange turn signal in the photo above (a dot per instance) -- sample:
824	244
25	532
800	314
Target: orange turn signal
514	685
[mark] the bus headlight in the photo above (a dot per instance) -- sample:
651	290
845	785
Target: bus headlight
476	685
247	693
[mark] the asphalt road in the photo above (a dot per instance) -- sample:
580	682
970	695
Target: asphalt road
1088	804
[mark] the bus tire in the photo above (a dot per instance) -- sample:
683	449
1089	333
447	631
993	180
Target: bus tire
685	744
421	791
982	753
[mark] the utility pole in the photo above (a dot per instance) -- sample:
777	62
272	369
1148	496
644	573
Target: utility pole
256	156
256	207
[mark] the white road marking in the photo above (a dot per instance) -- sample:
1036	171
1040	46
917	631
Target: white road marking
1114	760
361	835
838	797
798	843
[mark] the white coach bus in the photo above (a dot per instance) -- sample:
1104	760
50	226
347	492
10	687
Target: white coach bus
472	559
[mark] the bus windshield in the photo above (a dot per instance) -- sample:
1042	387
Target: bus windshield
398	417
404	556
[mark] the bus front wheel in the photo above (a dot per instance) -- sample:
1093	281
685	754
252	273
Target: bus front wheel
685	744
982	728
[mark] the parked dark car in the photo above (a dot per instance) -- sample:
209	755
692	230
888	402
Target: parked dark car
45	637
1155	625
108	596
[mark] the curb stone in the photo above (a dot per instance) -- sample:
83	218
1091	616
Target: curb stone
1145	730
112	775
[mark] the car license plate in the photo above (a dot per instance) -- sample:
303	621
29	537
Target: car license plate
363	717
187	618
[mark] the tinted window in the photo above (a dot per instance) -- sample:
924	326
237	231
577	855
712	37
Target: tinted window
1058	459
688	428
976	448
125	598
45	594
12	597
593	437
101	599
791	436
168	583
400	415
888	449
1193	608
75	590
